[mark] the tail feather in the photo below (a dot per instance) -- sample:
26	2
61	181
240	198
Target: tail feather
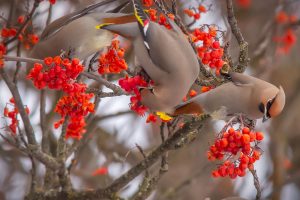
139	13
116	20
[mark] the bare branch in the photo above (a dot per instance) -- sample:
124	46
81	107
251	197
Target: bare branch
243	61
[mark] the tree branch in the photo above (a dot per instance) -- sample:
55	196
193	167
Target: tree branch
243	61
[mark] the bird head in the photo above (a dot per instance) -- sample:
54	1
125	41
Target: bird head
273	103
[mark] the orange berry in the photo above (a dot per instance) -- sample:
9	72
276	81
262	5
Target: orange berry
259	136
231	131
293	19
27	110
256	155
246	139
202	8
215	174
21	19
246	130
224	143
282	17
251	167
238	135
189	12
193	93
197	16
12	100
205	88
252	136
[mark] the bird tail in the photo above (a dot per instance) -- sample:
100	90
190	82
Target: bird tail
139	13
116	20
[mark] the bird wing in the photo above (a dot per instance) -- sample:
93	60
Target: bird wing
241	80
59	23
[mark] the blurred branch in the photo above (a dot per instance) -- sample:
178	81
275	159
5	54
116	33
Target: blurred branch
49	14
122	181
104	117
16	75
17	97
33	146
243	61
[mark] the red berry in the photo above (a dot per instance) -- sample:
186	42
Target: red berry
197	16
246	130
216	44
259	136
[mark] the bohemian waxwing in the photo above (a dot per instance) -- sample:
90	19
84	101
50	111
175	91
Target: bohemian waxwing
73	34
165	55
245	94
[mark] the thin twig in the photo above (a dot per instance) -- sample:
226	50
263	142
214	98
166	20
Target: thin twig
16	75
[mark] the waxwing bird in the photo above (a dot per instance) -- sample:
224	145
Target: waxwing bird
165	55
245	94
78	36
75	33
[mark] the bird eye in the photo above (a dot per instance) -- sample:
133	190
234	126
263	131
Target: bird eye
261	107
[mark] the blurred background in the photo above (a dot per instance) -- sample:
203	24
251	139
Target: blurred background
116	130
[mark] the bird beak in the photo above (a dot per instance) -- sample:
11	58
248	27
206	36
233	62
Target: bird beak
265	117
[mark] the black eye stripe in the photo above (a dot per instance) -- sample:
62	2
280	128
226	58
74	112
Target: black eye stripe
269	104
261	107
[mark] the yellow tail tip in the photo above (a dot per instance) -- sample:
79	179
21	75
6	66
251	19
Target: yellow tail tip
102	25
163	116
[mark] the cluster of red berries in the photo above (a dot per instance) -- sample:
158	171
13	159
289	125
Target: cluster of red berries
161	18
113	60
2	53
283	18
286	41
131	85
27	38
75	105
75	128
58	75
210	51
8	32
232	144
61	74
12	115
195	13
288	38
